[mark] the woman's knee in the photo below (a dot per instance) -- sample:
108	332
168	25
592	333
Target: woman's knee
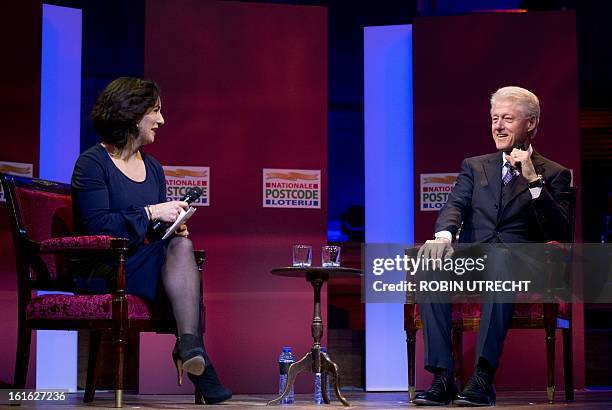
180	244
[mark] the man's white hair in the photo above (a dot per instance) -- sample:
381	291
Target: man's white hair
527	102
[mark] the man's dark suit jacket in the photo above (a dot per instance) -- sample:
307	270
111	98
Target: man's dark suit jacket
515	217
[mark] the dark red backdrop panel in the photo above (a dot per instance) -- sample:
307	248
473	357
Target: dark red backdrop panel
19	133
459	62
244	87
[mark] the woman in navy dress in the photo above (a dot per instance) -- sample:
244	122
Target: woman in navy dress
120	191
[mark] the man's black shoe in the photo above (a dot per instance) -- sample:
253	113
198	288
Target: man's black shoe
479	391
441	392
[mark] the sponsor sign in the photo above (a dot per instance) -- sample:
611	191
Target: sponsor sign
14	168
291	188
180	179
435	189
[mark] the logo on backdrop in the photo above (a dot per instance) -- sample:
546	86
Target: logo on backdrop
14	168
291	188
435	189
180	179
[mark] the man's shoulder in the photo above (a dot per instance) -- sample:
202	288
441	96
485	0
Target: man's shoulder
548	163
484	158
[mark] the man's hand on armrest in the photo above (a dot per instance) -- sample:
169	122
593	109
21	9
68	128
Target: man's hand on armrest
439	248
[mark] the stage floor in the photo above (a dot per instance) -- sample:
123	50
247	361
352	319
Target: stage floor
505	400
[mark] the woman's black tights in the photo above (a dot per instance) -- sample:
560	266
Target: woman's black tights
181	281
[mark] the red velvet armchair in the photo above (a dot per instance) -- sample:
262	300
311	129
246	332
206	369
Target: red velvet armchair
40	212
550	316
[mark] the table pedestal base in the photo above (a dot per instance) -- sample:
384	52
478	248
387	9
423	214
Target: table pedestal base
308	363
316	361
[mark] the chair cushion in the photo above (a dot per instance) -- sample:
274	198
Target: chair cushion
83	242
55	306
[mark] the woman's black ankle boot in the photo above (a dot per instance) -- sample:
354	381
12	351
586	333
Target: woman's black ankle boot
188	354
209	386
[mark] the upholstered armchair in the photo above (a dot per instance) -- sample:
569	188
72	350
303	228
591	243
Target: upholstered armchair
40	213
549	315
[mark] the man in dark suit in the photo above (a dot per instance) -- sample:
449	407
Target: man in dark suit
510	196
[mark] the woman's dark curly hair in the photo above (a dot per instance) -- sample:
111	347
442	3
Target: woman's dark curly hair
120	108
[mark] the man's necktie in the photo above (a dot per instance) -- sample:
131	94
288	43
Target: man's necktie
509	174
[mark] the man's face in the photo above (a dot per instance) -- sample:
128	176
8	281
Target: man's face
509	125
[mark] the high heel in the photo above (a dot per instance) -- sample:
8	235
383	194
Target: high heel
208	386
188	355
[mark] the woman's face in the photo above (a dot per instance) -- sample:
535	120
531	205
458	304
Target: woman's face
149	124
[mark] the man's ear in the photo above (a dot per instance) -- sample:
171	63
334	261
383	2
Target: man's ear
532	123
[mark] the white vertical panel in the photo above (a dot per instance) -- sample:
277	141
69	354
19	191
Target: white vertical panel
60	101
56	351
389	191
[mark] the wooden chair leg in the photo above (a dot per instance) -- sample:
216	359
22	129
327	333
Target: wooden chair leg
568	371
22	358
550	327
198	397
120	346
411	350
92	361
457	335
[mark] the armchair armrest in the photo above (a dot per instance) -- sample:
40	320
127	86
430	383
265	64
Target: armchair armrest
42	257
82	243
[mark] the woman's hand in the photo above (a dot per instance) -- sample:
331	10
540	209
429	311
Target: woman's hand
167	211
182	231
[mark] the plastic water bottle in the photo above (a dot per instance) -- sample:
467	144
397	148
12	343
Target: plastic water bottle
318	393
284	361
328	386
